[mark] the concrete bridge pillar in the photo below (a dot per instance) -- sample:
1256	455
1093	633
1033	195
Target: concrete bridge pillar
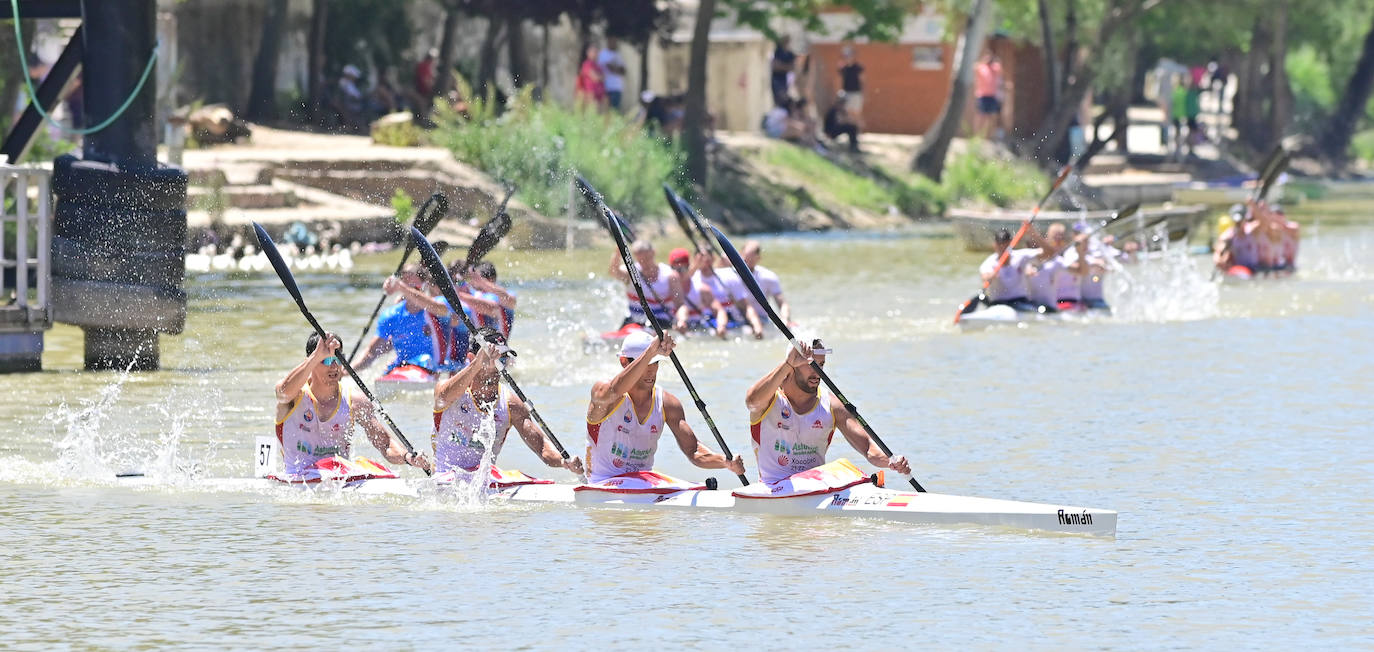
120	217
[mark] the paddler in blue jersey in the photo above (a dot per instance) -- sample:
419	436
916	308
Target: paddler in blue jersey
316	415
486	301
792	420
418	327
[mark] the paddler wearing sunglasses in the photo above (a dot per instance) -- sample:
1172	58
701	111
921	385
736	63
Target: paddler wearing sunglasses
316	415
474	410
619	440
792	421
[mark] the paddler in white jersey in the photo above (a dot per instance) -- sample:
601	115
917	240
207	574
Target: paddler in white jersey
316	415
474	410
663	289
628	414
703	306
792	420
1008	285
768	282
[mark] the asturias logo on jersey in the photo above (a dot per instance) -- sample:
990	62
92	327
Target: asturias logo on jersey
786	414
308	416
817	424
653	429
627	417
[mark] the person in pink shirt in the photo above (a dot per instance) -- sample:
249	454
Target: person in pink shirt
591	82
987	88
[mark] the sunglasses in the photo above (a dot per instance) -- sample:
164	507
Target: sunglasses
331	361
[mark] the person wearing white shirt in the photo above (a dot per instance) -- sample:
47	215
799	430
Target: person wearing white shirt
768	282
613	68
1007	286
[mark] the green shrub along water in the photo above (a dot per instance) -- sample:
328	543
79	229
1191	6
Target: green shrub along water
977	178
539	146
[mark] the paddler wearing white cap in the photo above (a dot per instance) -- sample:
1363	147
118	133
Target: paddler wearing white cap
791	420
621	441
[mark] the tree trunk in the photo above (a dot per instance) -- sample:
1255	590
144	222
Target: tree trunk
443	64
484	86
644	64
1249	114
515	50
1050	135
319	22
1051	61
1066	71
694	119
1280	91
262	101
1335	140
930	158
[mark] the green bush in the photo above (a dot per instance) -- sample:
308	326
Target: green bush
918	196
974	177
1313	95
1362	146
403	206
824	176
538	146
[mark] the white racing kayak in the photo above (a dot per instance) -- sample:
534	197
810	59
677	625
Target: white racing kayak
861	501
866	500
1003	315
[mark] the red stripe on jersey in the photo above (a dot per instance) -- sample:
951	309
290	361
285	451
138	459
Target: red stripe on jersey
593	430
755	430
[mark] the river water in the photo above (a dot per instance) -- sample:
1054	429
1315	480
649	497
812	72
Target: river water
1229	425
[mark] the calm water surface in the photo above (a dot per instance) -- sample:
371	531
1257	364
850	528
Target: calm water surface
1230	426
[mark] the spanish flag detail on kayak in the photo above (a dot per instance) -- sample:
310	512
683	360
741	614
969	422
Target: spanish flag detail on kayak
640	482
337	469
500	479
834	476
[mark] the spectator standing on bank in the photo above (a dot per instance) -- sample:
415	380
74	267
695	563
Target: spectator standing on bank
424	76
784	64
350	104
987	88
591	85
612	71
851	82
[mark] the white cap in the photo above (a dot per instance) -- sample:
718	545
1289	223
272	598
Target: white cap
647	96
636	343
810	339
351	70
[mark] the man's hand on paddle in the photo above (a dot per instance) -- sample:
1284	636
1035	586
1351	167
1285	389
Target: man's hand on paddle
798	359
899	464
574	464
662	346
735	465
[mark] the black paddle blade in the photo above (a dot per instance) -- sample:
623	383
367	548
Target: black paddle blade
1268	182
490	234
432	262
675	204
278	263
1126	212
426	220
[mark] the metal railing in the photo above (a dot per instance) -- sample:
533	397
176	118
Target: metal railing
25	248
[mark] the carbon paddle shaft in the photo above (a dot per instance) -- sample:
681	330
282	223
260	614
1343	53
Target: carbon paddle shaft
747	276
420	220
633	272
287	279
431	259
673	203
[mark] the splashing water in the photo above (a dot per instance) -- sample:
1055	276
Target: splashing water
1165	286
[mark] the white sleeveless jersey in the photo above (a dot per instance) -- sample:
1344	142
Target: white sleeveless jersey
1042	286
621	443
658	294
733	293
715	286
786	442
464	431
306	436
